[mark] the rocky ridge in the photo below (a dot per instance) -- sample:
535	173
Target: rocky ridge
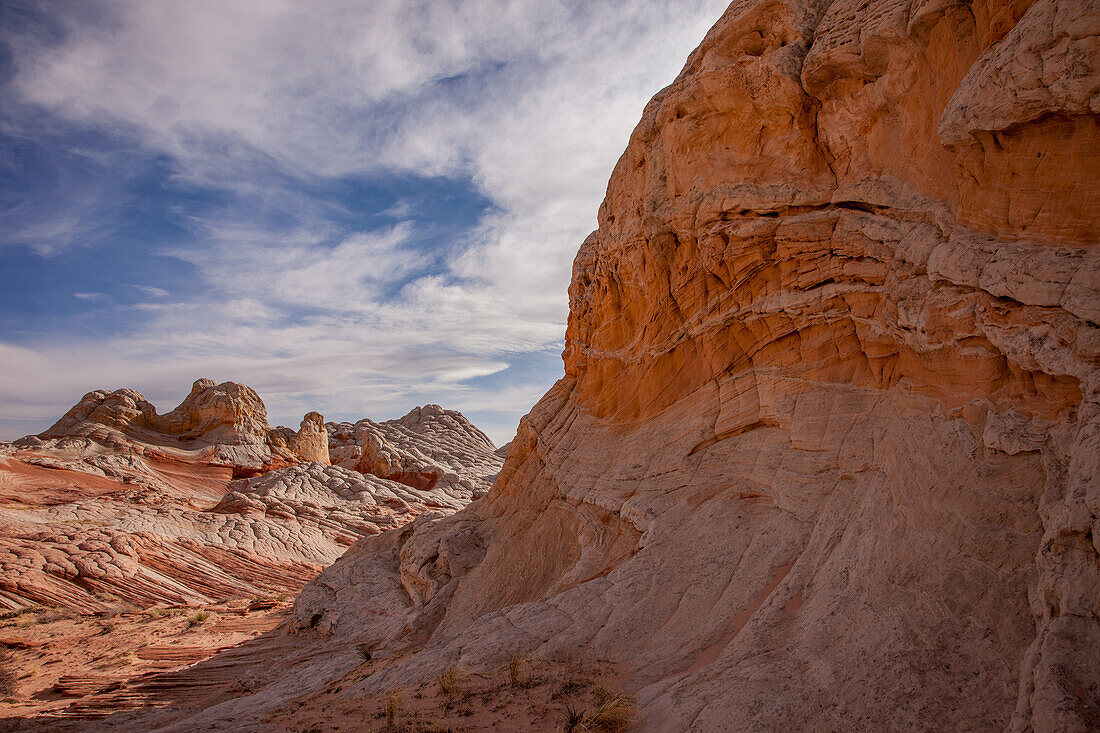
207	503
216	424
428	448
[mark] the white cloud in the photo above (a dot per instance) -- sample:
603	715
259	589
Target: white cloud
299	269
533	101
150	291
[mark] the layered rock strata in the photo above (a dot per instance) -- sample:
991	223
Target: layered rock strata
116	503
826	449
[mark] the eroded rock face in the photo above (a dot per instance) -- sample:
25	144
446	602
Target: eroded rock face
228	421
428	449
88	531
310	443
117	504
827	447
223	424
228	413
826	450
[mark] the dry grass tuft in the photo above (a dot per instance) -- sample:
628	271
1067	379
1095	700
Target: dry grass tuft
394	705
197	618
615	713
452	680
7	676
519	671
601	694
573	721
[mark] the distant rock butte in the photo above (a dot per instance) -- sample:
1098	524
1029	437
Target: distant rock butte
115	503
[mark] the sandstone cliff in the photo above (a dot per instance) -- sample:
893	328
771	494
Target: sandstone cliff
826	449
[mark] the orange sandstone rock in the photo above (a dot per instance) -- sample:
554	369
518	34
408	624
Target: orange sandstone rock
826	451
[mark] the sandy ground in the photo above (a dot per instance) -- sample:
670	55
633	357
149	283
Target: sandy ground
68	669
519	696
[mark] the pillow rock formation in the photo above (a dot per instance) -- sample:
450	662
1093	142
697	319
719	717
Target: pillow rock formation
117	503
223	424
826	451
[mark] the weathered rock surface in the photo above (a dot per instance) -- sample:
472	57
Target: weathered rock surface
71	666
144	546
117	504
310	443
226	423
826	450
429	449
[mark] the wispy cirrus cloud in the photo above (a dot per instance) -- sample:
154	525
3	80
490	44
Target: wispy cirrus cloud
353	207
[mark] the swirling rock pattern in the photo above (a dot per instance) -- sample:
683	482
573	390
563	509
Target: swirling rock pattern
827	447
826	451
116	504
430	448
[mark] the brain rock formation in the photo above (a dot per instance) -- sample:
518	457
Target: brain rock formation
427	448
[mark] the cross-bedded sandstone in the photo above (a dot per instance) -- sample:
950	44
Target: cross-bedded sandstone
827	447
116	503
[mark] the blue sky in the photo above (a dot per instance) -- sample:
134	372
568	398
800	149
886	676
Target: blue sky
353	207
